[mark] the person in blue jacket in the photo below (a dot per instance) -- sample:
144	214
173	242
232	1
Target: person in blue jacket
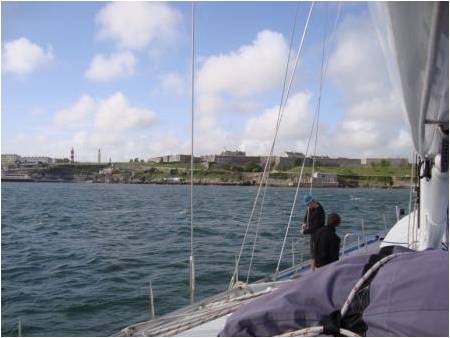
314	220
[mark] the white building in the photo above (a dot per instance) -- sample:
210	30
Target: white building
35	160
8	159
325	178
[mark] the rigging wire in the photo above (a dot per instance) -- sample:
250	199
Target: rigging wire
315	123
288	61
319	98
191	257
295	195
280	115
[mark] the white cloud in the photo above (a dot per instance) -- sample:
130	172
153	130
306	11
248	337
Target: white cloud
115	114
22	57
250	70
357	64
76	114
136	25
231	83
173	83
105	68
295	125
296	115
110	124
373	123
113	124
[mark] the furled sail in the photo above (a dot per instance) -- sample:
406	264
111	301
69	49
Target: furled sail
417	35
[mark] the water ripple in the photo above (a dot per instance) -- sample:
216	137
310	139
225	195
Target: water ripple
77	259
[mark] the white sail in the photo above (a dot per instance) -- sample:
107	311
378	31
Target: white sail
416	36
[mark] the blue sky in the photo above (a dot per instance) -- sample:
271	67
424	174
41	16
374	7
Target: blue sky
115	76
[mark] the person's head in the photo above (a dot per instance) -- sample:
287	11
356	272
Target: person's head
307	200
333	219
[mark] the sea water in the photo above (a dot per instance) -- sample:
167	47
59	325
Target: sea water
77	258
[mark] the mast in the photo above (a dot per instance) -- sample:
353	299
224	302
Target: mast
422	72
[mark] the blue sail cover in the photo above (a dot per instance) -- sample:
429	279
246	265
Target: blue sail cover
407	297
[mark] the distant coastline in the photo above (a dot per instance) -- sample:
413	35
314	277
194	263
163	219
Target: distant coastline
179	173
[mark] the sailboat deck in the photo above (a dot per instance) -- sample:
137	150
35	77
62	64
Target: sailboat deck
208	317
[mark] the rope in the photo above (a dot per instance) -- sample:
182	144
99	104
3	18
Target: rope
280	115
317	330
199	316
365	277
316	120
319	99
191	257
295	198
321	83
256	233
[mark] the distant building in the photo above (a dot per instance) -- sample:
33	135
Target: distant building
72	155
35	160
231	159
325	161
173	180
348	162
232	153
180	158
106	171
157	159
293	154
99	159
10	159
324	179
280	161
24	161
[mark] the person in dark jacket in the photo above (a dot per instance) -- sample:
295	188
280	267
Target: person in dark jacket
314	220
326	243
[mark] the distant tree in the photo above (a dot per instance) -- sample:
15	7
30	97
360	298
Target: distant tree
237	168
151	171
298	162
142	161
252	167
136	160
283	167
226	166
385	163
131	160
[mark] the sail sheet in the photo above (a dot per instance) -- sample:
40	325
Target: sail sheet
416	35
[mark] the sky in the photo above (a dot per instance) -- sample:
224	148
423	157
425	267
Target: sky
116	76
